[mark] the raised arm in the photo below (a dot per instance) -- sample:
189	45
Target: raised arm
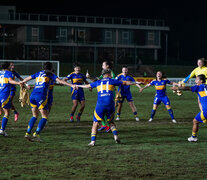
11	81
141	89
84	86
186	88
64	82
27	79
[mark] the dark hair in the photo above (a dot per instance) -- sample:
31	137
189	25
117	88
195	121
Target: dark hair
163	75
108	63
124	66
106	71
202	77
47	67
5	65
76	65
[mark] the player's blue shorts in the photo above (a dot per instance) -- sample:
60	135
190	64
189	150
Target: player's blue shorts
39	101
12	92
5	101
128	96
50	99
159	99
78	95
101	111
202	117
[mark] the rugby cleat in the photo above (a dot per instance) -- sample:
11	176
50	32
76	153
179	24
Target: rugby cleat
102	128
192	139
108	129
150	120
36	137
118	118
117	141
174	121
137	119
28	137
78	118
71	119
16	116
92	143
3	133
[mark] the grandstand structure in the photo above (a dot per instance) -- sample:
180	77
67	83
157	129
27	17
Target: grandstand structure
70	38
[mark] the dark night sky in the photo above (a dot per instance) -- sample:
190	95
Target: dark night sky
187	21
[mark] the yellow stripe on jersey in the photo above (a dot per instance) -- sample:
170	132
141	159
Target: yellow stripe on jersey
78	80
42	79
97	116
202	93
104	87
4	80
160	87
5	102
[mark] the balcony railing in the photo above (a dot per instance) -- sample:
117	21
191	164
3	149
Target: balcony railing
85	19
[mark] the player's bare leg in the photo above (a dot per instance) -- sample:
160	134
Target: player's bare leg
31	123
170	111
134	109
75	105
93	133
82	106
4	122
195	128
114	131
154	108
120	104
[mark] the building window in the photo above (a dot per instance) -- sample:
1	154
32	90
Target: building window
108	36
151	38
63	32
35	34
125	37
81	34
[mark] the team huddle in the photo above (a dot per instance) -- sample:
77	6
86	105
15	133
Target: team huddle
41	97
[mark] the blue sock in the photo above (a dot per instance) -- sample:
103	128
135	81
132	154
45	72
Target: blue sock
153	113
114	131
118	114
79	114
93	137
15	112
4	122
31	124
41	125
135	113
171	113
72	114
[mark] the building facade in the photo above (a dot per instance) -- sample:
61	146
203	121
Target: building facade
79	38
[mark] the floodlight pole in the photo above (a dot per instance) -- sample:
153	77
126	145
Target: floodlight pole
166	47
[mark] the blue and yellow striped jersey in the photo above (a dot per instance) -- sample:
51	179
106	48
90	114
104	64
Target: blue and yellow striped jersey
105	88
124	88
4	81
78	79
14	75
202	95
43	82
160	86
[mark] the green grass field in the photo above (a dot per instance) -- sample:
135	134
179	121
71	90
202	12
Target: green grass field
157	150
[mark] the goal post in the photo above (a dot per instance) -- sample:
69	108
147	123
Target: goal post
29	67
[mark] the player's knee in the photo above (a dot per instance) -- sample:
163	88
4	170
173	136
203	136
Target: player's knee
195	121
